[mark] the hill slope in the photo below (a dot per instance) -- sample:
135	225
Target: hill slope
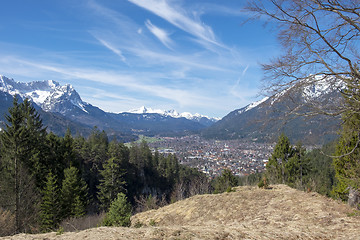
248	213
284	112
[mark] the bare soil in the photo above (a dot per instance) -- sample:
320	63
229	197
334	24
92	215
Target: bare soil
248	213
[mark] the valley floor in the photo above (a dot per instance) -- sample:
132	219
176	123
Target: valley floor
248	213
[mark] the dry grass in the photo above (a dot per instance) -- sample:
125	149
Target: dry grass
248	213
75	224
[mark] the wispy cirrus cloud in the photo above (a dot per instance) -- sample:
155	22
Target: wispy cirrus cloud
180	18
112	48
137	83
161	34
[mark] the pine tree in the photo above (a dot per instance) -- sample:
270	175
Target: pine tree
37	161
15	153
73	194
119	212
111	183
347	166
275	168
67	147
225	182
49	215
297	167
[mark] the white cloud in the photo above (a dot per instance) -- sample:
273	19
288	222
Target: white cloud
161	34
112	48
179	18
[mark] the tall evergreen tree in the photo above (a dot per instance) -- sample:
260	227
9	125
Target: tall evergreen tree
68	153
297	167
49	215
73	194
37	160
276	166
111	182
347	165
119	212
16	151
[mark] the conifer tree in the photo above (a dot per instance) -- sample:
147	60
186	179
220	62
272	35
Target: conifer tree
297	167
347	165
19	186
49	215
67	145
119	212
225	182
37	160
111	182
73	193
280	156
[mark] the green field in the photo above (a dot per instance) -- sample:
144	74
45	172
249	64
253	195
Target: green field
146	139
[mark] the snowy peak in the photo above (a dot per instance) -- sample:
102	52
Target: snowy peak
172	113
252	105
319	86
312	88
144	110
49	95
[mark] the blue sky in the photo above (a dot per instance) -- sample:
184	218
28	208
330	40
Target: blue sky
193	56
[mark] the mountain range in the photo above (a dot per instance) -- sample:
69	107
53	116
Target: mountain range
62	107
266	119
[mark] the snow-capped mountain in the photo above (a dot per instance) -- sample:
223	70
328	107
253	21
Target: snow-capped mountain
49	95
66	105
173	113
266	119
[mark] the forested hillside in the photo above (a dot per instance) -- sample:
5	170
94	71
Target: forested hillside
46	179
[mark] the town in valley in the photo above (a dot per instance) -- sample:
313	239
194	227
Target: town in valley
242	157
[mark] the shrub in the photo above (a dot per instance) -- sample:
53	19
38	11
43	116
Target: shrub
119	212
7	223
264	183
74	224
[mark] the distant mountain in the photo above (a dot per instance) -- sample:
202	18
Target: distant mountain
266	119
202	119
64	104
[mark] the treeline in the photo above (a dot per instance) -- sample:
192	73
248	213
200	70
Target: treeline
305	170
45	179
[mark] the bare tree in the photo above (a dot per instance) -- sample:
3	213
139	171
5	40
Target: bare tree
320	39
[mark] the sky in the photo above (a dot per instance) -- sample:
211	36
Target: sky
191	56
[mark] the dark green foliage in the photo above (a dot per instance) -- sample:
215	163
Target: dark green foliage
17	184
276	166
292	165
321	177
287	164
45	178
112	182
347	165
119	212
225	182
73	194
49	215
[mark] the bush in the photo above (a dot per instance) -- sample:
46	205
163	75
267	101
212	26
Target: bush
119	212
74	224
7	223
264	183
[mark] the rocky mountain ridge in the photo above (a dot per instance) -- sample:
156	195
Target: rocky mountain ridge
284	112
64	101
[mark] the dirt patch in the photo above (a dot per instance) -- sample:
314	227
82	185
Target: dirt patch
248	213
